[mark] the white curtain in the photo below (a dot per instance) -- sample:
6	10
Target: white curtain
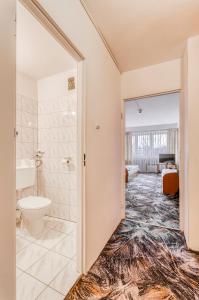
143	147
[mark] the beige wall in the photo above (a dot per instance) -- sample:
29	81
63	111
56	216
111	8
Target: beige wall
103	147
183	147
7	142
151	80
191	158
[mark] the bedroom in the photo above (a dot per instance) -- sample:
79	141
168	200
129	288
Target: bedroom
152	159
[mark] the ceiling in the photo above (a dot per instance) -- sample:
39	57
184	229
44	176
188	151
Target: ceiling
38	53
158	110
145	32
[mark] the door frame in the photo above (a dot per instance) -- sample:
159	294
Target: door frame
123	212
37	10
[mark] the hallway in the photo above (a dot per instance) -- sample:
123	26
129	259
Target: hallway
143	259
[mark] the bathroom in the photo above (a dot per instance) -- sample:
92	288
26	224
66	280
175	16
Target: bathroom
48	210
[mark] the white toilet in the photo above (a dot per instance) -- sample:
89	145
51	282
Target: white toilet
33	208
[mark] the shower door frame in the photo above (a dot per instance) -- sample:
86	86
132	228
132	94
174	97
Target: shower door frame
37	10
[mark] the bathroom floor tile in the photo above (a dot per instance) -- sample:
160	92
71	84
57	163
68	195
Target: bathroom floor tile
26	257
49	238
66	279
22	232
21	243
50	294
48	267
67	246
45	258
28	288
61	225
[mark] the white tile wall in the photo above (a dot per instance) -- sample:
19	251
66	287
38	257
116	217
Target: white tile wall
47	121
26	121
57	137
27	130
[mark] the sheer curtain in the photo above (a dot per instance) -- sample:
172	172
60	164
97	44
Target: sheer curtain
143	147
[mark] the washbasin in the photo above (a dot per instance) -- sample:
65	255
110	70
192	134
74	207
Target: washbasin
25	173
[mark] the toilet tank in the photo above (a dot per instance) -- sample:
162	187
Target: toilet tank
25	173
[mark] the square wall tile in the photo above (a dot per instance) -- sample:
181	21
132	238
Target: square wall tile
61	211
18	117
18	101
64	226
27	104
27	150
27	135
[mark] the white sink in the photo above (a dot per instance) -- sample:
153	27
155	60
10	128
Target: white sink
25	173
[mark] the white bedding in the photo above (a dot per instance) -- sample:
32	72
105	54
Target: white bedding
132	169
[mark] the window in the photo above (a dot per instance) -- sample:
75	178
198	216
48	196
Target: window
160	141
143	147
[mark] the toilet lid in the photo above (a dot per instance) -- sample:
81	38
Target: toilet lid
33	202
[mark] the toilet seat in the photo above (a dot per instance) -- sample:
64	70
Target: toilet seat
33	202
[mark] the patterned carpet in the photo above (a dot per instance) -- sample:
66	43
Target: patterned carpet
143	260
146	203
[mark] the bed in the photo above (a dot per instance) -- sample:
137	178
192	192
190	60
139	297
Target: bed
131	170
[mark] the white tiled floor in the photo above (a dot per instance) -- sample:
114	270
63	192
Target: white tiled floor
46	264
48	267
30	255
65	279
21	243
49	238
67	246
49	293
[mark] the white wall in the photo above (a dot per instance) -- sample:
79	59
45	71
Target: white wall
103	147
190	141
26	86
151	80
7	142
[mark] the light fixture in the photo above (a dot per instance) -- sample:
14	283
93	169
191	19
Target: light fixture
139	109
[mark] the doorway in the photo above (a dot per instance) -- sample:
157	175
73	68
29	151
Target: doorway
49	160
152	160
